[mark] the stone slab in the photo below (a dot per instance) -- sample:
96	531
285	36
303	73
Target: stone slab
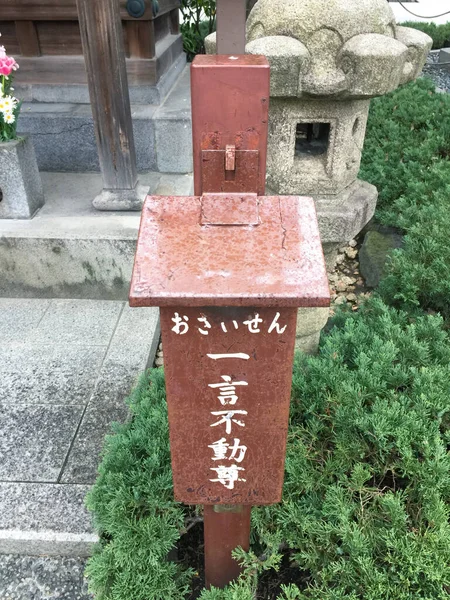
173	129
42	578
78	323
51	374
45	519
19	317
64	140
444	58
35	440
84	458
70	250
21	187
131	351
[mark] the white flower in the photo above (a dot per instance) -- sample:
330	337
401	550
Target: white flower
9	118
9	104
2	105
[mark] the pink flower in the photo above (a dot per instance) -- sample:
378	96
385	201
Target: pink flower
7	64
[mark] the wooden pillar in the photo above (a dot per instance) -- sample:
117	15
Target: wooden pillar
104	53
231	23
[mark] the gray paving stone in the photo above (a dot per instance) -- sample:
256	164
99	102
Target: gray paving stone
50	374
84	457
19	317
35	440
42	578
80	322
132	350
45	519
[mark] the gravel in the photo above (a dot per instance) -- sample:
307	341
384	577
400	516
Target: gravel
440	76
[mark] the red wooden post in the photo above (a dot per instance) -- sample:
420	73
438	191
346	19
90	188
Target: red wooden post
229	268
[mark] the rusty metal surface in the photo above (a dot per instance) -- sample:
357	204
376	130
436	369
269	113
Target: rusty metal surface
230	107
179	261
228	379
221	209
224	532
243	178
231	21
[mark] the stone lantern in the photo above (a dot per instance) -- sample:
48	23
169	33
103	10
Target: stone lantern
328	58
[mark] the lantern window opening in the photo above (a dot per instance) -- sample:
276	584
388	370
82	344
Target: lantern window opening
312	139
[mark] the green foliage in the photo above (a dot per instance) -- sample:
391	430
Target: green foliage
406	155
440	34
367	487
199	20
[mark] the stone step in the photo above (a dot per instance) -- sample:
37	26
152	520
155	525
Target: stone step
64	139
51	519
70	250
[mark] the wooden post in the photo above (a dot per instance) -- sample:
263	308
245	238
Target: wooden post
231	23
104	53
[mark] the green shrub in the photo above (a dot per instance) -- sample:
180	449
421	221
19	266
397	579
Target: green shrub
367	489
406	154
440	34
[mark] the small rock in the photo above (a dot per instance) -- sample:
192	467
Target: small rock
351	297
160	354
340	259
360	281
340	300
353	243
160	346
342	250
351	288
351	253
341	286
159	362
374	252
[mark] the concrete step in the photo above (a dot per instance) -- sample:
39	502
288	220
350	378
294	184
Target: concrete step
64	139
66	367
70	250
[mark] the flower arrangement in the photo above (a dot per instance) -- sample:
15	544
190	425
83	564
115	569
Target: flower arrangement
9	106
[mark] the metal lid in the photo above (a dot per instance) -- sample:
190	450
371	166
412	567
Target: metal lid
190	254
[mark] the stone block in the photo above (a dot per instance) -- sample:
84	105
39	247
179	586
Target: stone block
45	519
342	217
43	578
35	440
21	192
310	322
444	58
64	138
325	166
50	374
